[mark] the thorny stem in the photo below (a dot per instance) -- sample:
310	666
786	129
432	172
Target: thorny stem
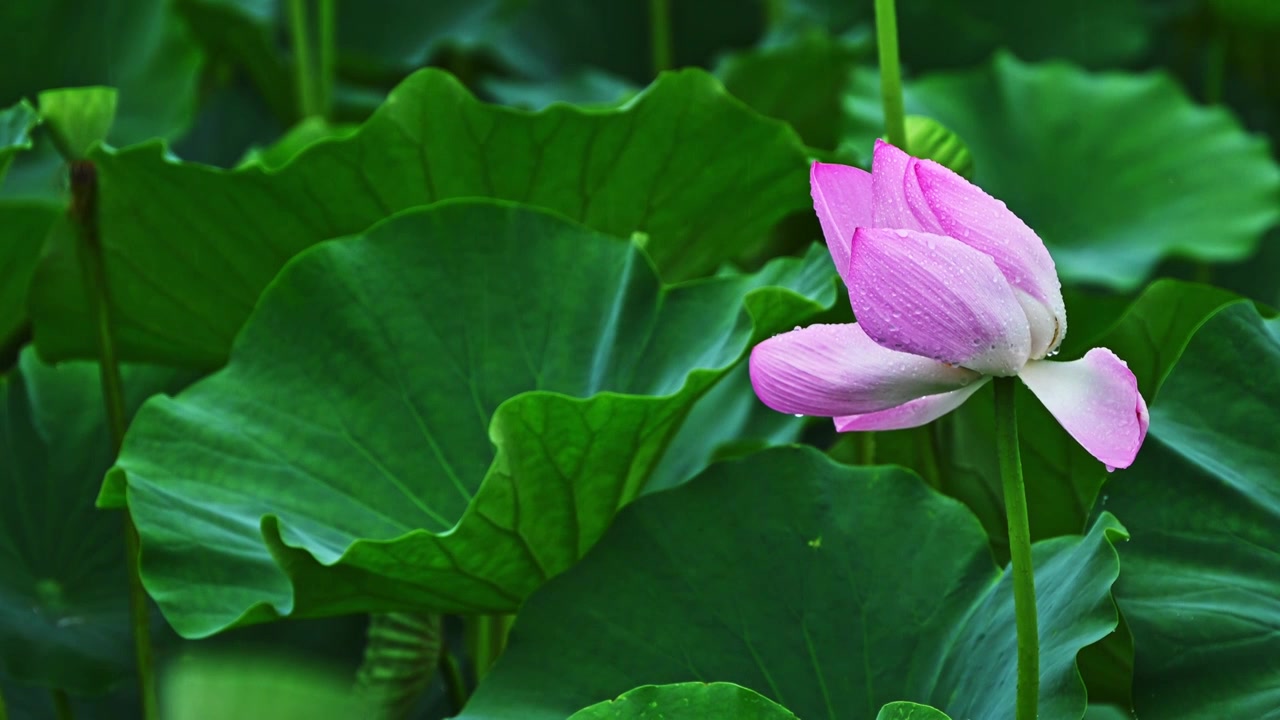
84	214
895	124
1024	584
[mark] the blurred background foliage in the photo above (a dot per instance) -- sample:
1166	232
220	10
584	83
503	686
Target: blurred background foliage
1158	117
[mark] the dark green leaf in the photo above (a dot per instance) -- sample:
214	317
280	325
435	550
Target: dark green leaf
1150	176
23	228
687	701
189	248
64	615
800	81
830	589
1201	581
946	34
138	46
437	415
729	416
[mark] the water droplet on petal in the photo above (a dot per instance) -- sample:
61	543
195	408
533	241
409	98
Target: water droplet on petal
1110	469
799	415
902	233
932	245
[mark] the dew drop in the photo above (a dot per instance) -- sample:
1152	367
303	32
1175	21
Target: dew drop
796	327
799	415
1110	469
932	245
902	233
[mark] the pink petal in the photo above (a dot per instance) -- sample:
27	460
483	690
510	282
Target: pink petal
984	223
1096	400
896	198
911	414
830	370
934	296
842	200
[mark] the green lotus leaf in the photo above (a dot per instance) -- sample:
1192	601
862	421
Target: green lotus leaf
437	415
1200	586
687	701
829	589
188	248
64	615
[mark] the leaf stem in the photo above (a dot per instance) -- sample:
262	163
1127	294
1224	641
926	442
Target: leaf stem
84	214
62	705
304	69
774	12
660	34
454	685
895	124
1024	587
487	637
867	448
328	55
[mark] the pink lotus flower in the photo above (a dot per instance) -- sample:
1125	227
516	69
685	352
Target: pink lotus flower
949	288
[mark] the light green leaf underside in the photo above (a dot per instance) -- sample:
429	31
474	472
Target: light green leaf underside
687	701
1151	175
336	464
1201	580
830	589
189	248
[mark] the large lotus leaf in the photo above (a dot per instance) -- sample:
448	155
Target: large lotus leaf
1063	480
1114	171
146	53
942	33
729	419
1201	582
434	416
189	248
687	701
801	80
830	589
64	612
